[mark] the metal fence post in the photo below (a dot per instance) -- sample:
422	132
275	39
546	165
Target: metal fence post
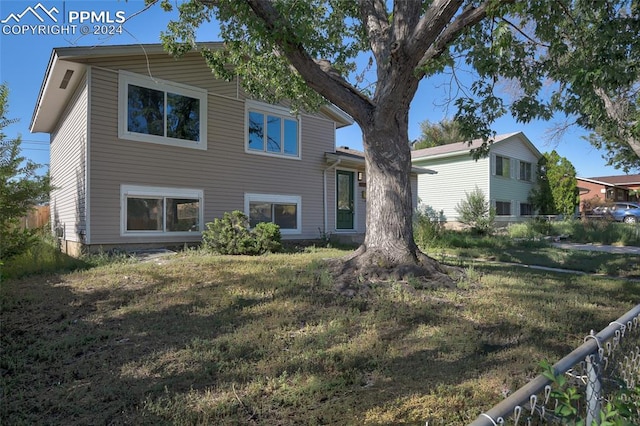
594	389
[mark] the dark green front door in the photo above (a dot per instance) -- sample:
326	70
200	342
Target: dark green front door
344	199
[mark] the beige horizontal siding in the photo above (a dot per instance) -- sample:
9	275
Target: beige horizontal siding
225	172
67	167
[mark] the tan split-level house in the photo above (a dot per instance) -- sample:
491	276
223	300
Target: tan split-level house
146	149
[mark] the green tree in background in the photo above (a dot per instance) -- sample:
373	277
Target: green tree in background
436	134
306	51
21	188
557	191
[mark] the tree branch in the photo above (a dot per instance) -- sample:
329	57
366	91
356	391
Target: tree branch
373	14
315	72
435	19
470	16
616	112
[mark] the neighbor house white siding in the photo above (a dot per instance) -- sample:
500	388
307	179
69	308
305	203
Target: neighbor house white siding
458	174
511	188
455	176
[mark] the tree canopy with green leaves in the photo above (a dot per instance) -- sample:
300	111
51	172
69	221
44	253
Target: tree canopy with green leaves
567	56
435	134
21	187
557	191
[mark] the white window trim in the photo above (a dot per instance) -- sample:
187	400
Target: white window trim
125	78
280	199
155	191
264	108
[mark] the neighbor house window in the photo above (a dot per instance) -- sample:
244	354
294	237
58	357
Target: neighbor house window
503	208
283	210
525	171
526	209
153	210
162	112
272	130
503	166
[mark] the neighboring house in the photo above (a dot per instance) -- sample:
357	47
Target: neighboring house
595	191
506	176
146	149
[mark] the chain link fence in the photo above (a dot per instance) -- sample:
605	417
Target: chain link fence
596	383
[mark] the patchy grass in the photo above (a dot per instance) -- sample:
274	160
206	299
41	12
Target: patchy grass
198	339
595	231
465	246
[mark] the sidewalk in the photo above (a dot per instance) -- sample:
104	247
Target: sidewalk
598	247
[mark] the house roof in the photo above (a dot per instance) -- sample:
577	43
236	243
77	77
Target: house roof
458	148
620	180
67	66
356	157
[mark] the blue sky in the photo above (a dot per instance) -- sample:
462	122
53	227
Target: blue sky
24	57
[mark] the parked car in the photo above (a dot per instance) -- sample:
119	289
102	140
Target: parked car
625	212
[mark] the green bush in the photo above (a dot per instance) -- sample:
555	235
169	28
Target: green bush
231	235
476	212
428	226
267	237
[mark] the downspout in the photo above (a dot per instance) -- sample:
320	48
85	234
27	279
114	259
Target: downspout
324	188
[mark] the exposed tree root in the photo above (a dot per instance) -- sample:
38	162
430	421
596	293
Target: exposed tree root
355	273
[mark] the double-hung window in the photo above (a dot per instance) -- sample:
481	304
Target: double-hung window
526	209
525	171
271	130
163	112
283	210
503	166
503	208
149	210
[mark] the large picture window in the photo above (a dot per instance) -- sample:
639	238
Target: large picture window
152	210
283	210
272	130
162	112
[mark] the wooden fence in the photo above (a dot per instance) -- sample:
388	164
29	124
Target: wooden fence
38	217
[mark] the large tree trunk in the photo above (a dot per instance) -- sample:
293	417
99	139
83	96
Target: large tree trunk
389	250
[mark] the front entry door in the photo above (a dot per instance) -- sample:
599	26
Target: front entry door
344	199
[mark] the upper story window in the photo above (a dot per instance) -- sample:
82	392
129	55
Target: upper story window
161	112
503	166
272	130
525	171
